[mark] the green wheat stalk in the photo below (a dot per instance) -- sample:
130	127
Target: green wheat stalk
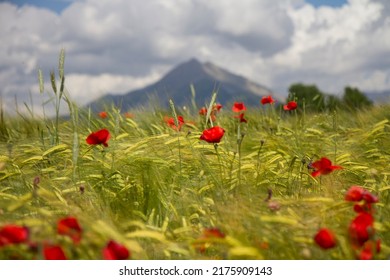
210	108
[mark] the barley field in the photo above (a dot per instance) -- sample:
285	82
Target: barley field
219	182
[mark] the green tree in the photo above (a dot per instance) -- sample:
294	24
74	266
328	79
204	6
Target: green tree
333	103
307	95
354	99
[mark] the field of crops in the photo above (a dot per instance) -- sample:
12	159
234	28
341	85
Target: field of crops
160	185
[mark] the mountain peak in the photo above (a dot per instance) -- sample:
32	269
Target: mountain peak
205	77
186	72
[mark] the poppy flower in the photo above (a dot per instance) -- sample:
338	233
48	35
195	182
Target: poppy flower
13	234
207	237
361	228
212	135
103	115
99	137
70	226
115	251
267	100
217	107
241	117
369	250
238	107
171	122
213	233
128	115
369	197
366	253
292	105
357	193
53	252
323	167
203	111
325	238
366	207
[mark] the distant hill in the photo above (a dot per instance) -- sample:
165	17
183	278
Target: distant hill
175	85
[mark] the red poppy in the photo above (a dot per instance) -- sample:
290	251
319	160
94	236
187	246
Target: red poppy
207	237
325	238
324	166
212	135
115	251
361	228
366	207
357	193
13	234
241	117
267	100
213	233
217	107
70	226
203	111
238	107
99	137
128	115
369	197
171	122
53	252
366	253
103	114
292	105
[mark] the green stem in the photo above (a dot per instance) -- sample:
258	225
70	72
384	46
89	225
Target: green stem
258	161
219	162
239	141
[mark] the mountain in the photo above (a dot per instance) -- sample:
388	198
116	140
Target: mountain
175	85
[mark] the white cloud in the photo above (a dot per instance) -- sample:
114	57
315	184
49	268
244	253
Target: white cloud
82	87
119	45
335	47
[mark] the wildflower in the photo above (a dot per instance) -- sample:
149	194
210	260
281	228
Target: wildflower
213	233
366	253
208	235
357	193
128	115
13	234
217	107
324	166
361	228
212	135
171	122
53	252
241	117
70	226
325	238
238	107
267	100
203	111
115	251
369	198
103	114
99	137
292	105
359	208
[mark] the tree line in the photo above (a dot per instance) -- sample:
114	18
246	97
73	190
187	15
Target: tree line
313	99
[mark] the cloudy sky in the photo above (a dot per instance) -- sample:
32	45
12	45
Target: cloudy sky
119	45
